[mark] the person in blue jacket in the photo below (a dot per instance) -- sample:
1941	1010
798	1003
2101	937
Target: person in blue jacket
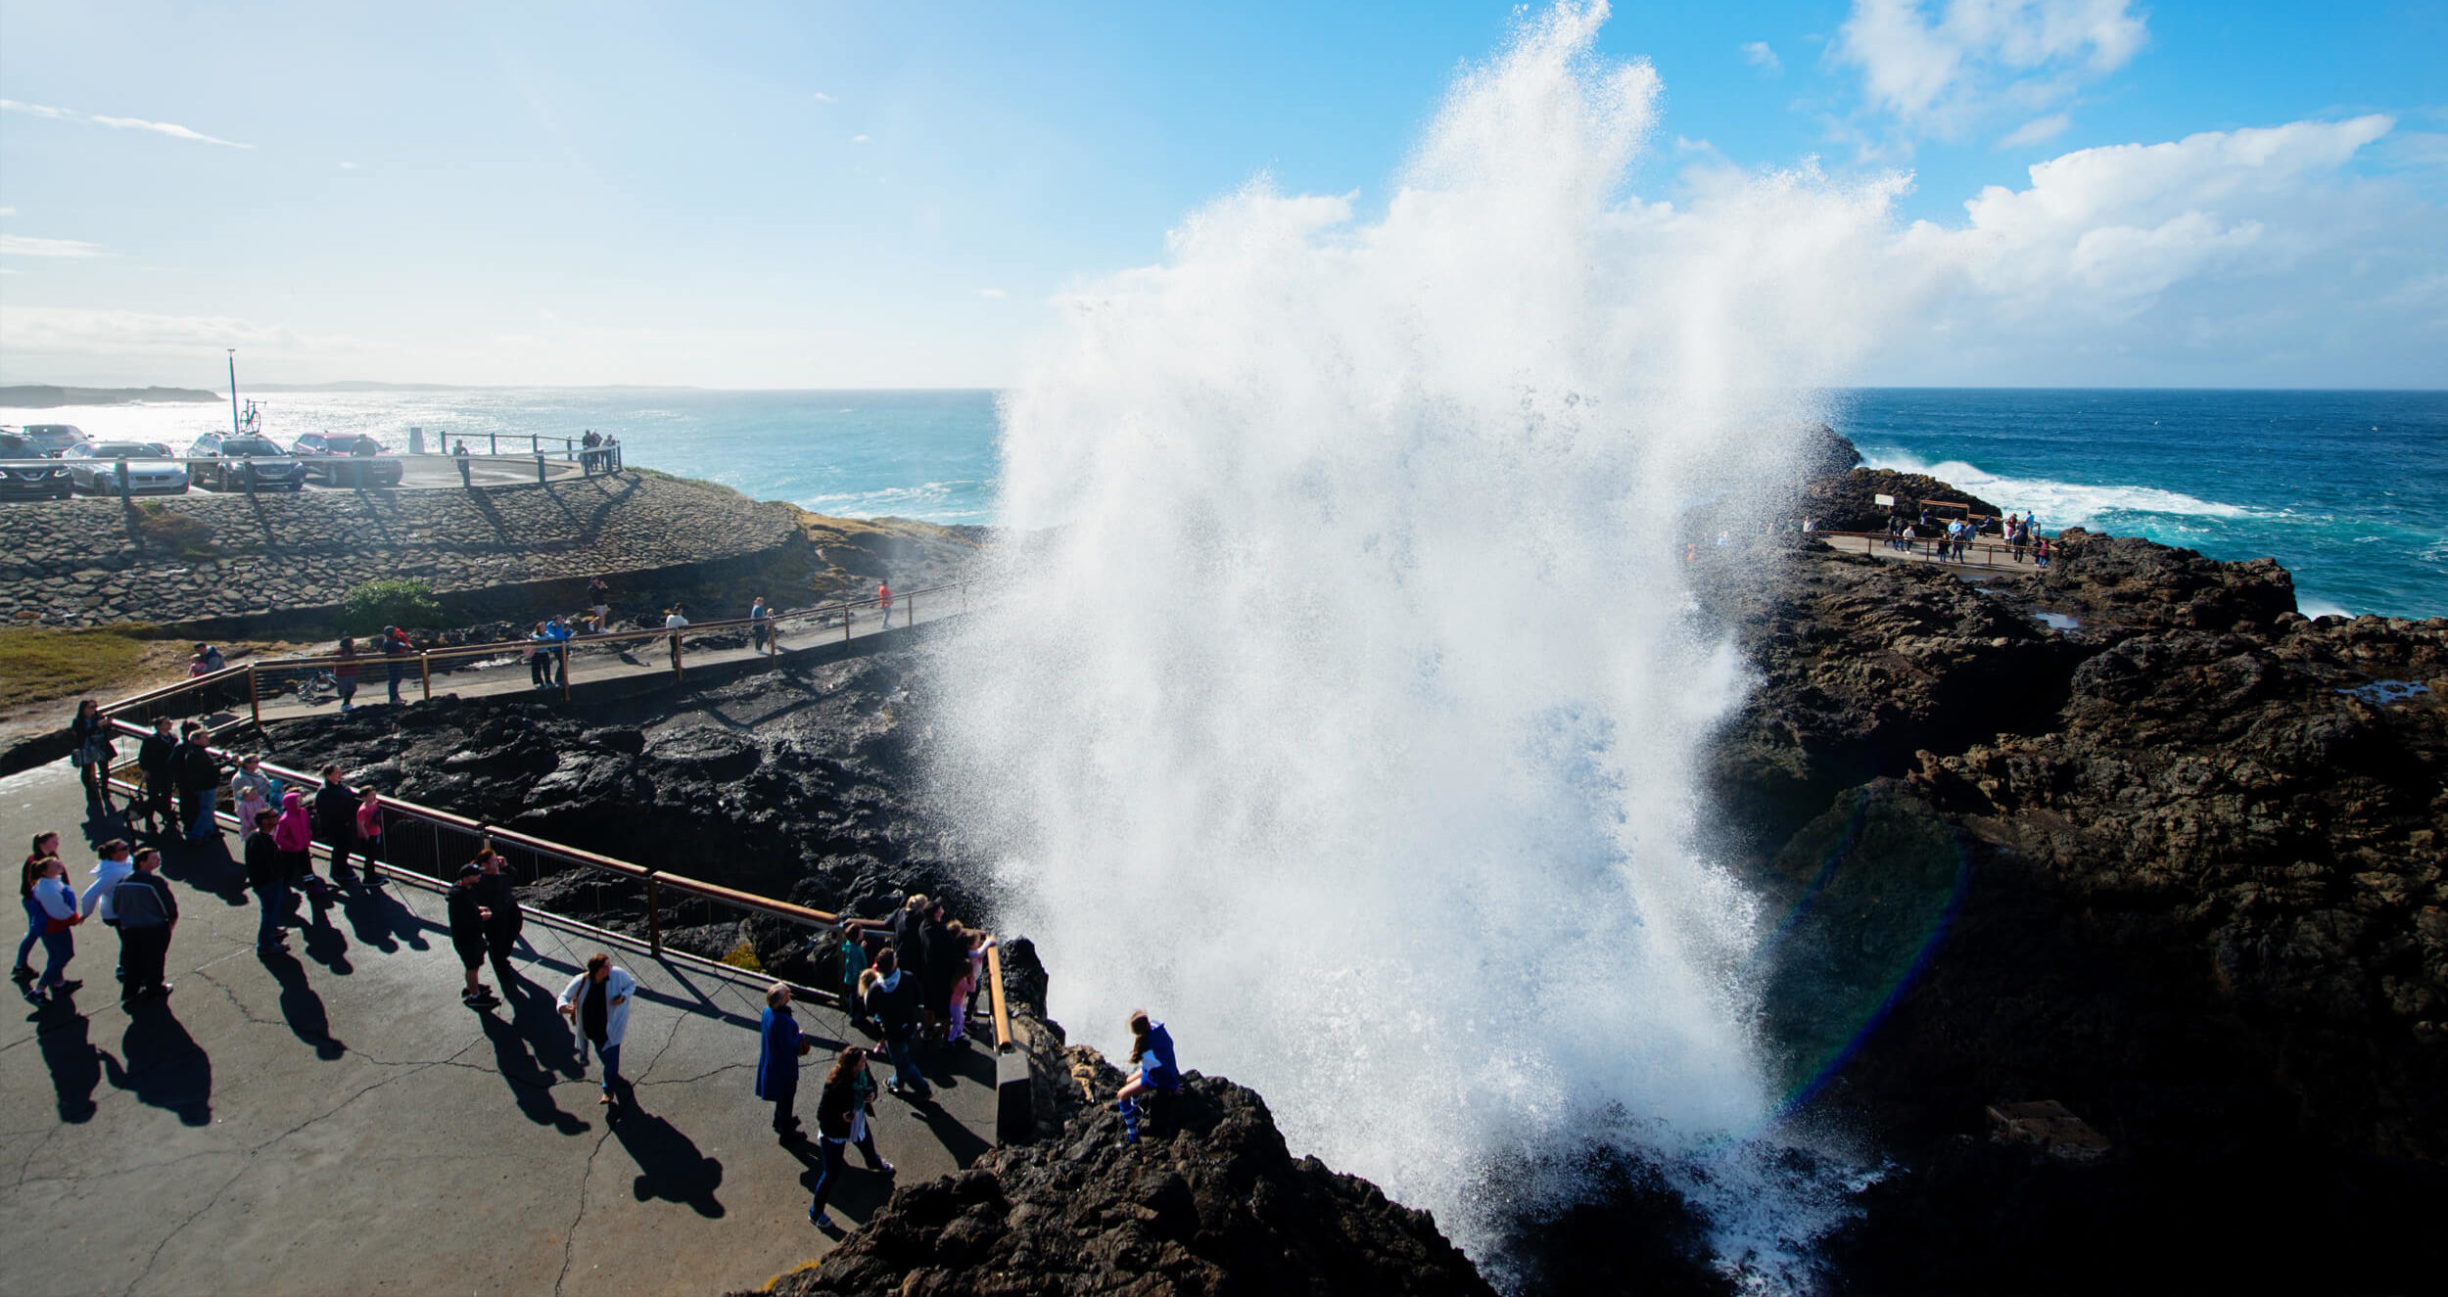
777	1075
1152	1051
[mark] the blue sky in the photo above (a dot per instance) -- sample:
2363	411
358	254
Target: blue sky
892	195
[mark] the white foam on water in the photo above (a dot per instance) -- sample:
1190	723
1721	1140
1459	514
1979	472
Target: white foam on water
2058	504
1346	712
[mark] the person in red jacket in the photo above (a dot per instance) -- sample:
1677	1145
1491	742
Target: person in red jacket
884	598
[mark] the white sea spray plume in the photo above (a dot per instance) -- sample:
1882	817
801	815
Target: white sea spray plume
1344	705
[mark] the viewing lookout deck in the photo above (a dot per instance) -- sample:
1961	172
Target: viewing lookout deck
334	1119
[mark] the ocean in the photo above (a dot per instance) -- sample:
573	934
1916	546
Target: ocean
2348	489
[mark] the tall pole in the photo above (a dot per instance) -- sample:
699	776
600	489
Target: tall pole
233	363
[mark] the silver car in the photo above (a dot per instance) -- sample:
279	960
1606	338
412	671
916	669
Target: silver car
93	468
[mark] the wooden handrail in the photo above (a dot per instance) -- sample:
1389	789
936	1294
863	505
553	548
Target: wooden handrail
994	991
191	682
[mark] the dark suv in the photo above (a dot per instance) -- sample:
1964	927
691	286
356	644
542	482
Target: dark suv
231	459
346	459
29	481
53	439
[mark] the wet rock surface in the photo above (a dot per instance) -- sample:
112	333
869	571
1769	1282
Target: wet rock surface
1208	1201
2179	869
795	784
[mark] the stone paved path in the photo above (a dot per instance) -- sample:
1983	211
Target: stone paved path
335	1121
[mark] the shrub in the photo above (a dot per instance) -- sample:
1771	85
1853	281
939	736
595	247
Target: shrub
391	601
180	533
744	955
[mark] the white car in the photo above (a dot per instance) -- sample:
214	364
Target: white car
93	468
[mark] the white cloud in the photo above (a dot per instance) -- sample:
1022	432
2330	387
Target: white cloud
995	293
858	139
1943	74
820	96
2241	257
20	245
2037	130
171	129
1765	59
350	166
8	211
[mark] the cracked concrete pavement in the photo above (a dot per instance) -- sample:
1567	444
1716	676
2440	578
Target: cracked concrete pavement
334	1120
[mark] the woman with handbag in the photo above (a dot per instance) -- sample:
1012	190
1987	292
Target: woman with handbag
841	1120
94	751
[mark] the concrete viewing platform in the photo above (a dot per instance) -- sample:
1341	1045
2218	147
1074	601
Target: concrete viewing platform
333	1119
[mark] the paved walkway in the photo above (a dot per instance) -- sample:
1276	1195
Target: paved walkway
508	674
1976	560
334	1120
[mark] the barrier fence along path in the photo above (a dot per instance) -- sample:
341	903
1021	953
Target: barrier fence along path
1927	547
473	834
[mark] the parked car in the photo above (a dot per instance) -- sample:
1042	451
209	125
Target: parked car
51	440
346	459
29	482
234	456
94	468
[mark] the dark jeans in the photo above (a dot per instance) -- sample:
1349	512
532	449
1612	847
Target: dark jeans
397	670
610	1054
905	1064
783	1103
141	953
342	839
275	901
500	940
36	921
539	668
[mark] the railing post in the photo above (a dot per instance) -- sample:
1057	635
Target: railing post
254	697
564	664
493	443
654	915
845	623
677	673
539	468
425	674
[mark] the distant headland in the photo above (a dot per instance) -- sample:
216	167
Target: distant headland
43	396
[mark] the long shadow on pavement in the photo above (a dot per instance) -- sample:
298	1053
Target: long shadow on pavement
377	918
68	1050
670	1165
165	1067
530	1084
323	941
300	1006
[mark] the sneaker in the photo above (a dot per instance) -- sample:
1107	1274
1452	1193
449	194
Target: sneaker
820	1220
885	1167
605	1097
69	986
22	973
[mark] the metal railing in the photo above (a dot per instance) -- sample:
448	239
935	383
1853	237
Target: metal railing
430	830
1929	547
267	677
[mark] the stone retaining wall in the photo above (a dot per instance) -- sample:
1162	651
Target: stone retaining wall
276	558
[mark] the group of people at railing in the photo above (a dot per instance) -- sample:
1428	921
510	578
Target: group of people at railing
1951	539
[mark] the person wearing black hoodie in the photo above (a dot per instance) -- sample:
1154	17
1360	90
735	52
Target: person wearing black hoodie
155	757
335	813
499	904
198	774
894	1001
467	932
946	959
267	875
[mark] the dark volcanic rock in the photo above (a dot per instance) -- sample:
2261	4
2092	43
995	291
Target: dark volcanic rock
796	783
1845	502
2180	870
1209	1201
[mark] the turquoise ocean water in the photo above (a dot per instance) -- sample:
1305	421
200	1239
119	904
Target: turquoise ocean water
2348	489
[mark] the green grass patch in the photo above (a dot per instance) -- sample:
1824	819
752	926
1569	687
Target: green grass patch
53	662
367	608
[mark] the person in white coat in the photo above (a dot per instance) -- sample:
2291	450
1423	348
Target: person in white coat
597	1004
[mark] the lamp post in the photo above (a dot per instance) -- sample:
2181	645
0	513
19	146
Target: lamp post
233	364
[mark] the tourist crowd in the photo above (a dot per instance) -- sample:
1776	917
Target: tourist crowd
911	982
